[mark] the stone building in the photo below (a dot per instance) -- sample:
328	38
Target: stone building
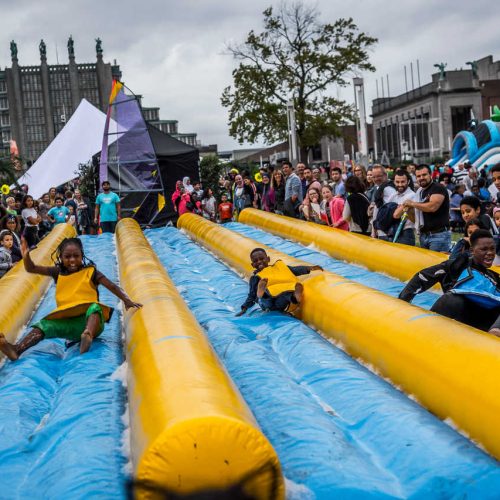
421	124
37	101
152	115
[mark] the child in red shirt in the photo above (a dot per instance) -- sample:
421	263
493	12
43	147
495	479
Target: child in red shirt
225	210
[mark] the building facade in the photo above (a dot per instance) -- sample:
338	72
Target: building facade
421	124
171	127
37	101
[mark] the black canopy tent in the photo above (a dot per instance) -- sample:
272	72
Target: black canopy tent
175	160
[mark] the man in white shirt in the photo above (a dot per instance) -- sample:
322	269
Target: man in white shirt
404	193
459	174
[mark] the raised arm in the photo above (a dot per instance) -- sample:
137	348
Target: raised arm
33	268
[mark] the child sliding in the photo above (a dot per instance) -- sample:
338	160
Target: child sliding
274	287
79	316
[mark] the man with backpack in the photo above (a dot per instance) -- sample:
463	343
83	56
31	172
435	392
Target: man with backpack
382	215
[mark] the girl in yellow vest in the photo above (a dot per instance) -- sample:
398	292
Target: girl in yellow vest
79	316
276	287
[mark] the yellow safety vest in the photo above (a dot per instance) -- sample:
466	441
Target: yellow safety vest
280	278
75	292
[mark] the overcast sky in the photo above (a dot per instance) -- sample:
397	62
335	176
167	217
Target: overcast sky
172	52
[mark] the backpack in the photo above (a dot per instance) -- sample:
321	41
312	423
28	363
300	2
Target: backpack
378	196
385	221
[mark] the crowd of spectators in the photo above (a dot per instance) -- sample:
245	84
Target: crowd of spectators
411	204
21	215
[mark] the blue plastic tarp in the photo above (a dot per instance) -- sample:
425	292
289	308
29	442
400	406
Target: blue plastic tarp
359	274
339	430
61	413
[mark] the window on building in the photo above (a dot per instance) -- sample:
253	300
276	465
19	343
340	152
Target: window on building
460	116
4	120
315	150
4	103
87	83
6	136
3	87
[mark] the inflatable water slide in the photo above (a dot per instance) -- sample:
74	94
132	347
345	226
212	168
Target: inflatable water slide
359	395
480	146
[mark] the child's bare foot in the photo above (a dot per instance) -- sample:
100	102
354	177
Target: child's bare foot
8	349
86	341
261	288
299	290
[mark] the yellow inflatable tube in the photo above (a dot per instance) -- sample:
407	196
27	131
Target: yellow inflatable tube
399	261
453	370
21	291
190	427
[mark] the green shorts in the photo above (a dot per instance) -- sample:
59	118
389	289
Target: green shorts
69	328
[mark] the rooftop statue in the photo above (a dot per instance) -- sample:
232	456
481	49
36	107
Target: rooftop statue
13	49
98	46
43	49
473	67
442	72
71	47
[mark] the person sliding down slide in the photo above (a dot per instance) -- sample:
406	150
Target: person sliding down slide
275	287
472	291
79	315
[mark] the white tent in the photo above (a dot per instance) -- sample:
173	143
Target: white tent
76	143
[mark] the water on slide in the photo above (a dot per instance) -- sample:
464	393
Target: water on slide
378	281
61	413
339	429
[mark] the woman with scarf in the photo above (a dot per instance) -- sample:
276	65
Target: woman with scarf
267	196
188	187
180	198
278	186
243	195
355	211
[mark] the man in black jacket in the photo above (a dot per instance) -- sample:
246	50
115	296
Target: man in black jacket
471	289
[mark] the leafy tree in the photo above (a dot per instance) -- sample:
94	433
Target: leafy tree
295	56
7	171
88	179
210	172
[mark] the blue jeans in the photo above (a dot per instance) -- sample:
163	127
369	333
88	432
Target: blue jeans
278	303
407	237
439	242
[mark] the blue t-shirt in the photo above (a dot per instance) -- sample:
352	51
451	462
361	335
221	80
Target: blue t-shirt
107	206
59	214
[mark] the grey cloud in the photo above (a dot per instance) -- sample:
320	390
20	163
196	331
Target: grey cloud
172	52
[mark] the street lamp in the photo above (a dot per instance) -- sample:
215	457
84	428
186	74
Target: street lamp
361	128
292	132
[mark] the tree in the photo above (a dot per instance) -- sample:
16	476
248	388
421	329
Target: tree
294	57
88	177
210	172
7	171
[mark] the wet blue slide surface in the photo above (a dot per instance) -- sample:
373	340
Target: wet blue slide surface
340	431
61	413
378	281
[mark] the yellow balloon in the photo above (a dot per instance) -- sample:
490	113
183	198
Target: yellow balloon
258	177
5	189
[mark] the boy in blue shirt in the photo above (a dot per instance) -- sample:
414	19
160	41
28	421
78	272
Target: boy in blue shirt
107	207
59	213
